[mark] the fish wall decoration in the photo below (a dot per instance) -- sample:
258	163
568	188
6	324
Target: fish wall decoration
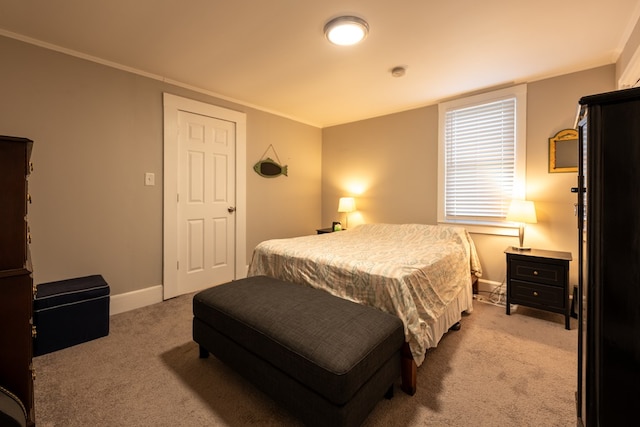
268	167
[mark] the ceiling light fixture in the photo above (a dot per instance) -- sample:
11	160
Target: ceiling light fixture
346	30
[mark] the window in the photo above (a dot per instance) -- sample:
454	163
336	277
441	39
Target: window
481	158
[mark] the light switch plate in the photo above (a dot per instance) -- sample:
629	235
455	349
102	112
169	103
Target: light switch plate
149	178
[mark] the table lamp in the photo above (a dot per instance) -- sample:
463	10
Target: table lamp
522	212
346	205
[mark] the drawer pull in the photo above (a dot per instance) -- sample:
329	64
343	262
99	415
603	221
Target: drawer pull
535	272
535	294
34	333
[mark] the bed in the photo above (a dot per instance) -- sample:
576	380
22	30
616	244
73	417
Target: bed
420	273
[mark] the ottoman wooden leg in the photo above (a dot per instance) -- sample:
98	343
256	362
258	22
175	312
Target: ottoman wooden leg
389	394
204	353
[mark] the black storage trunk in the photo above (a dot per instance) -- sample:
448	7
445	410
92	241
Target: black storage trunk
70	312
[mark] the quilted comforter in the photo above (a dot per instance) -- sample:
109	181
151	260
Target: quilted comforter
413	271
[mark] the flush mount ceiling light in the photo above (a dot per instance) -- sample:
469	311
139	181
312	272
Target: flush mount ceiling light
346	30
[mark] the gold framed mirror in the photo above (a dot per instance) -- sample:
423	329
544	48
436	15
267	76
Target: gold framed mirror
563	151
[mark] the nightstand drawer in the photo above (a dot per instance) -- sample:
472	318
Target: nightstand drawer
533	294
539	272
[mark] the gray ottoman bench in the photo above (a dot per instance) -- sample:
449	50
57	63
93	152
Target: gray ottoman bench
326	359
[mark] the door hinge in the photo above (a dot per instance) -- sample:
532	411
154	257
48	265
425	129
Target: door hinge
177	265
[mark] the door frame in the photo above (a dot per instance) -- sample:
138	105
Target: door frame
172	105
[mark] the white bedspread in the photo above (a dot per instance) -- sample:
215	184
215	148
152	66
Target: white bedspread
413	271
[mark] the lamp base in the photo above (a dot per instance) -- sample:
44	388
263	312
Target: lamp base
521	240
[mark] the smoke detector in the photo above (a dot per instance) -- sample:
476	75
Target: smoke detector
398	71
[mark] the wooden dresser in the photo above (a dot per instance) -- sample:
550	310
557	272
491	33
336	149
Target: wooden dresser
16	284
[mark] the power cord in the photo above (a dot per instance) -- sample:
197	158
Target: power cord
496	296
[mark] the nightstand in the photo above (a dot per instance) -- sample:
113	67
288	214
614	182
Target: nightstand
327	230
539	279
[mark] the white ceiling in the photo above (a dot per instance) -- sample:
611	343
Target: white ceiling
272	55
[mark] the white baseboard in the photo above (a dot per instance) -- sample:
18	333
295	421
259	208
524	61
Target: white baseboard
487	285
136	299
141	298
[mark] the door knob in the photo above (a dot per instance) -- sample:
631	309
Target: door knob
231	209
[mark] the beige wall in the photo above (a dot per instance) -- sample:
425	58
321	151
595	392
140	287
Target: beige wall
394	158
389	163
97	130
551	106
628	62
283	206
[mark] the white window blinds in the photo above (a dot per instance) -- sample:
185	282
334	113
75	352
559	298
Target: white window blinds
480	160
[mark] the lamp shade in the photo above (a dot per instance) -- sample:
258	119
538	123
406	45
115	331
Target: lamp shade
522	211
347	204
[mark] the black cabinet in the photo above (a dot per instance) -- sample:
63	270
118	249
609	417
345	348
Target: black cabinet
609	258
539	279
16	283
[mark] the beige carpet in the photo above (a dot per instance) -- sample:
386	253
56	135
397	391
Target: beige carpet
498	370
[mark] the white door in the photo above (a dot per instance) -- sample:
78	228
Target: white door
203	227
206	201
